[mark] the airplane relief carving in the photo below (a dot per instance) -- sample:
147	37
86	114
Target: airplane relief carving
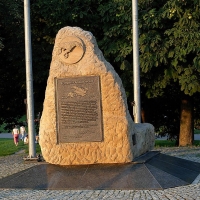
70	50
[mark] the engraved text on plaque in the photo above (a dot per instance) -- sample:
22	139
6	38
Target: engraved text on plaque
79	117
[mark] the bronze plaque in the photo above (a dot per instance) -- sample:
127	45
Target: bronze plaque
79	113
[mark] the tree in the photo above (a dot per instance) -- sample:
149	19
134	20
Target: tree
168	41
169	45
47	17
12	61
169	53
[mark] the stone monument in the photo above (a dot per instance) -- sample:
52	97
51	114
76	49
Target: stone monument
85	119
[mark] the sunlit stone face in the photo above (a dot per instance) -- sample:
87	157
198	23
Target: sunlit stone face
85	117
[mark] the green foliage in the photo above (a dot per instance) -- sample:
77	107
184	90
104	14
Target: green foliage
169	58
163	112
12	87
1	44
116	27
170	40
127	77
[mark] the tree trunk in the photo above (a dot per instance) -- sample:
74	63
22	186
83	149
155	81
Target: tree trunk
143	115
186	135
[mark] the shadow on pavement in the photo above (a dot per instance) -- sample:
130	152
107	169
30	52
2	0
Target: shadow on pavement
152	171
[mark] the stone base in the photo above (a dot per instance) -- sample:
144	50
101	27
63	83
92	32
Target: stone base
160	172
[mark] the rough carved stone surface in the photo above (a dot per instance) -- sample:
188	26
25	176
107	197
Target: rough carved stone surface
76	54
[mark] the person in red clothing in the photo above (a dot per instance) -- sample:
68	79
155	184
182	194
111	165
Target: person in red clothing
15	133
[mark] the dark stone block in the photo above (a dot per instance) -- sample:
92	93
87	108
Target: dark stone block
180	168
155	171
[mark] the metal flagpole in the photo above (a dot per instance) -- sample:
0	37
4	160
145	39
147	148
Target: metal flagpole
29	81
136	67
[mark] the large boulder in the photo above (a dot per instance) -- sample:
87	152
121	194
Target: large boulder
85	118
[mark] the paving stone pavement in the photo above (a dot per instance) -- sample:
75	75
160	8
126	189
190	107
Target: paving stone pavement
14	163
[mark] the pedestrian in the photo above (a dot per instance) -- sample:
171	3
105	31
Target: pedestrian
37	139
26	139
15	133
22	132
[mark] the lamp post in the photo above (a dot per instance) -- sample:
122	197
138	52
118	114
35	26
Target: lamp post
29	81
136	67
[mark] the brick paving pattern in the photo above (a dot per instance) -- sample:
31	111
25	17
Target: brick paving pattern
14	163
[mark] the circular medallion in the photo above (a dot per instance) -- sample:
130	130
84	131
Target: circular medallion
71	50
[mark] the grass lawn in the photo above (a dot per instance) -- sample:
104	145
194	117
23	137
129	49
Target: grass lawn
7	147
169	143
196	131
